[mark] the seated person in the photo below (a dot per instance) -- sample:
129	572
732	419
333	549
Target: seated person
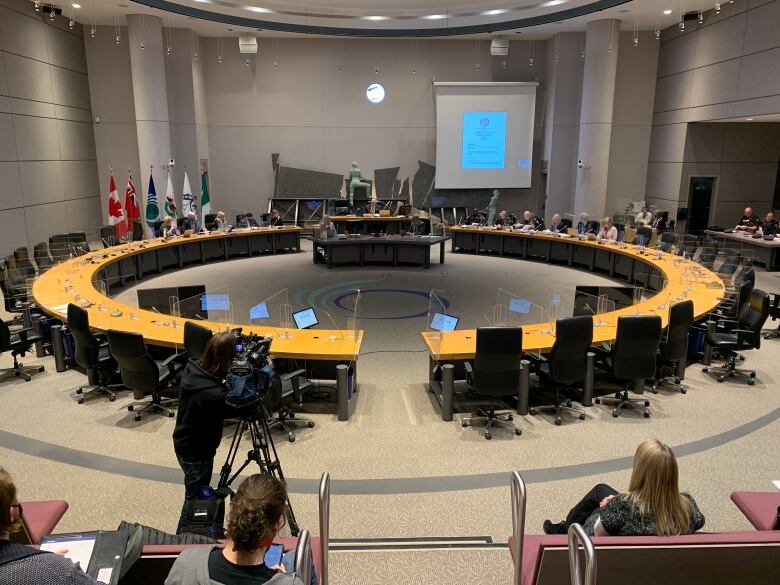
644	217
191	222
256	516
530	220
504	219
276	219
556	225
220	223
653	505
22	564
584	226
169	228
769	227
416	227
608	231
659	222
476	217
248	221
327	227
749	222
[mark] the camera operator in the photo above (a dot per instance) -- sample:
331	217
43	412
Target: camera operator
201	413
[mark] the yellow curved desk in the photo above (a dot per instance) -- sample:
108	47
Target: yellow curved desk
77	280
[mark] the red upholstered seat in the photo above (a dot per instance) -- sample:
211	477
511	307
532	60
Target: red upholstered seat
41	518
760	508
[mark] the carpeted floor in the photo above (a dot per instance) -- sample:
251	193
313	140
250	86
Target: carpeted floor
397	469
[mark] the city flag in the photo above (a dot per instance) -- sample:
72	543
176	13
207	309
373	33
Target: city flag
205	200
170	201
152	208
132	209
116	215
188	202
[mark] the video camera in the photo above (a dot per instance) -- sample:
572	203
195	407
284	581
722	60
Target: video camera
251	352
249	376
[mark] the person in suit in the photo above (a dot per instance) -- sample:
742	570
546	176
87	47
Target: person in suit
168	229
608	231
276	219
504	219
191	222
530	221
584	226
248	221
220	223
556	225
659	223
644	217
416	227
477	217
769	227
749	222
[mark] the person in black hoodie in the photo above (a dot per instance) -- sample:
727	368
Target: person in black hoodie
201	413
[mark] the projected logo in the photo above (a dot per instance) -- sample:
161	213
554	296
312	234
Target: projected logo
524	163
375	93
484	122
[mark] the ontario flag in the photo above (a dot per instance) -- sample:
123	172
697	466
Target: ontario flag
116	215
132	209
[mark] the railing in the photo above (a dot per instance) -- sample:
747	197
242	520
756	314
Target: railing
303	557
324	526
578	537
518	522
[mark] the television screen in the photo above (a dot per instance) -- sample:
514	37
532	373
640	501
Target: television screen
441	322
305	318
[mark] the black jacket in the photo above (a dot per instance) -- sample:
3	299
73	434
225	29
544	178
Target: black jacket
201	412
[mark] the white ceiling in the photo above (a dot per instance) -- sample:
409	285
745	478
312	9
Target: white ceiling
396	14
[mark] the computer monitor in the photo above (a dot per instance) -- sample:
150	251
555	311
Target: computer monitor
522	306
305	318
442	322
259	311
215	302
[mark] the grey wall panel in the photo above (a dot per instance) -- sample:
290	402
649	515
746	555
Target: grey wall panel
715	84
28	78
178	74
77	140
70	88
673	92
22	35
728	213
677	55
66	50
628	159
752	142
14	232
759	75
667	142
117	147
663	179
75	114
41	182
36	138
80	179
761	32
747	182
705	143
10	185
8	143
720	41
3	81
45	220
110	80
184	145
30	108
85	214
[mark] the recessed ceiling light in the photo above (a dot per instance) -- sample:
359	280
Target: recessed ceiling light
204	1
76	6
435	16
667	12
749	119
553	2
258	9
375	17
494	12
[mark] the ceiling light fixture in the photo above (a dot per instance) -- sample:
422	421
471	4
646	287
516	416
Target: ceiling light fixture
667	12
76	6
553	2
258	9
749	119
494	12
376	17
204	1
717	7
434	16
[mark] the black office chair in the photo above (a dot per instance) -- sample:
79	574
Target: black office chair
674	348
18	342
746	335
42	257
196	337
14	287
566	363
729	263
108	236
495	373
137	231
58	246
774	314
157	225
92	354
77	242
143	374
633	358
208	221
643	235
666	241
23	264
286	390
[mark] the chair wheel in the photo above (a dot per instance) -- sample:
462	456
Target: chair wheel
582	417
80	390
615	413
597	401
655	388
510	417
721	378
752	374
487	435
171	414
463	423
41	368
137	417
647	414
617	395
311	424
647	403
557	422
677	381
291	438
683	390
518	432
532	412
751	381
568	403
705	370
81	400
111	398
130	407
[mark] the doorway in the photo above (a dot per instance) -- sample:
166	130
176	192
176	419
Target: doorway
700	194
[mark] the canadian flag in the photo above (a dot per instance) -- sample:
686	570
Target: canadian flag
116	215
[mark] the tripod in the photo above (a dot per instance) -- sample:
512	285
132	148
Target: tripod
263	453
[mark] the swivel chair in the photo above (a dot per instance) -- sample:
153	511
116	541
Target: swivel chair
143	374
23	264
666	241
566	363
774	314
18	343
196	337
108	236
137	231
645	233
14	293
77	242
42	257
286	390
495	373
91	353
58	246
747	335
674	349
632	358
208	221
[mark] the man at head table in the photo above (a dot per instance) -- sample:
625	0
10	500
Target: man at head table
556	225
416	227
276	219
584	226
169	227
749	222
530	220
248	221
504	219
659	221
769	227
644	217
191	222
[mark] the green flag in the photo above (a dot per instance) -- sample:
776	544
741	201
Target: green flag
205	200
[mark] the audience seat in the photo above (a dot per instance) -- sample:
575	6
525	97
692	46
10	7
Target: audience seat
760	508
39	519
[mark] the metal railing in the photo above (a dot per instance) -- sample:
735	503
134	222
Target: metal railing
324	526
303	557
578	537
518	522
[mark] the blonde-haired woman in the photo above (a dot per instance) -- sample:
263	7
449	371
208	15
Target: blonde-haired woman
653	505
608	231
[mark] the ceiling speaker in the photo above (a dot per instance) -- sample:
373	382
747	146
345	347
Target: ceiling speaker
499	47
247	45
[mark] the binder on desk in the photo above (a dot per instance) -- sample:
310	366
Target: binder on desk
106	562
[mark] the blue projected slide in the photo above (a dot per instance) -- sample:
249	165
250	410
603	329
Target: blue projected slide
215	302
441	322
483	140
259	311
522	306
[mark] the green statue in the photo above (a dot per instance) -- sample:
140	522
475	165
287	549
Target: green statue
492	208
357	180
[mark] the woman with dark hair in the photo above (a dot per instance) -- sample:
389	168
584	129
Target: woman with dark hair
256	516
24	565
653	505
201	413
